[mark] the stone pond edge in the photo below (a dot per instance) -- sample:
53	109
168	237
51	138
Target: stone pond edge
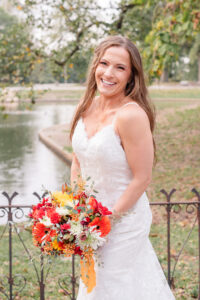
53	146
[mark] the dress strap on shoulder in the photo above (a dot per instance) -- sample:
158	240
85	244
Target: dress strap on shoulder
132	102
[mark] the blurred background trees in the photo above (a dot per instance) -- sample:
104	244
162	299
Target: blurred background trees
16	58
52	41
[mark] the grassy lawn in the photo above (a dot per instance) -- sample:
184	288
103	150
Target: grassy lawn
186	271
60	268
161	105
175	94
178	161
49	95
178	155
171	94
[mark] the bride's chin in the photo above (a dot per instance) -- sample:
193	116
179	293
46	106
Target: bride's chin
106	92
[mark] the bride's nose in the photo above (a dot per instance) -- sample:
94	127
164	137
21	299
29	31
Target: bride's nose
108	71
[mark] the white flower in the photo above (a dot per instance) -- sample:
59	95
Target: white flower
46	221
62	211
93	240
76	228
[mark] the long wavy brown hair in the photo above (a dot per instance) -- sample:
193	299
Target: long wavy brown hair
136	88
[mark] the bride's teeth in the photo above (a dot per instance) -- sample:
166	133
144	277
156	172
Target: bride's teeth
107	82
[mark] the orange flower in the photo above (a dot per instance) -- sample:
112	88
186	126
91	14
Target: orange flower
58	245
69	250
102	224
94	204
40	230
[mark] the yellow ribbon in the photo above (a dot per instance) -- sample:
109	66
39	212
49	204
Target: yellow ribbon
88	274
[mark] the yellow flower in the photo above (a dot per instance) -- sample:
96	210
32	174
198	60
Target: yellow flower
56	246
62	198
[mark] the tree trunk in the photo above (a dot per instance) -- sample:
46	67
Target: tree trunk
165	76
199	68
65	73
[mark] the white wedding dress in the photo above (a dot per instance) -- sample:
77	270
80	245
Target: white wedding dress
131	269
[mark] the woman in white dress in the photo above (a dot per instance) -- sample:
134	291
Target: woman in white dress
113	144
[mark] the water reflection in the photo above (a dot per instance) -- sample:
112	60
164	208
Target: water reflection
26	165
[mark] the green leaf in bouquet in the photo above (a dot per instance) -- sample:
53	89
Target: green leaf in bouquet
95	191
71	238
88	178
67	236
68	207
81	208
89	211
74	211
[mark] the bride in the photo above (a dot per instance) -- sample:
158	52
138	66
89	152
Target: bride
112	141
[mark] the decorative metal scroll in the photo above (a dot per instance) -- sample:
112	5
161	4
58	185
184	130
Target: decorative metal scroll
16	283
12	285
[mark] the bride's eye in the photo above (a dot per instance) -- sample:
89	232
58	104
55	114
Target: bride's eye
103	63
121	68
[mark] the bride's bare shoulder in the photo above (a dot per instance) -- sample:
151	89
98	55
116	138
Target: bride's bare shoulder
131	116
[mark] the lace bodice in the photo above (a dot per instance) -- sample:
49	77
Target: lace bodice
103	159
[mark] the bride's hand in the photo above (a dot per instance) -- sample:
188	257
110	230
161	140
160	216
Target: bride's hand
114	217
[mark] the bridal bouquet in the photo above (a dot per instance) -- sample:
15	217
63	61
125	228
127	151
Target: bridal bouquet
71	223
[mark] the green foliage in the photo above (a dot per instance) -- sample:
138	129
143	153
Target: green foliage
164	31
70	27
174	29
16	57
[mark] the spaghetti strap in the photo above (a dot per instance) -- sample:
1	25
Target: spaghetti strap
132	102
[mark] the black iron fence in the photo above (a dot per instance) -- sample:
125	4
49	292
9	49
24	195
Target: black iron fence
12	285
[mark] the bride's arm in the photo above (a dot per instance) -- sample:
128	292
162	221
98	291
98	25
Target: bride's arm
75	171
134	129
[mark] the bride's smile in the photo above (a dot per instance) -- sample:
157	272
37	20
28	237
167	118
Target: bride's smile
113	72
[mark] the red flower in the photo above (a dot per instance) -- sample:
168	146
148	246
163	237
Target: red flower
55	218
30	215
78	251
65	227
41	213
40	231
81	195
83	236
103	210
38	213
98	207
85	221
94	204
102	224
53	215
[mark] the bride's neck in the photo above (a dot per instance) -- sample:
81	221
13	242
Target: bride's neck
108	103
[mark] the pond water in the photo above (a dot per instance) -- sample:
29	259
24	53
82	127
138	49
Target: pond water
27	165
